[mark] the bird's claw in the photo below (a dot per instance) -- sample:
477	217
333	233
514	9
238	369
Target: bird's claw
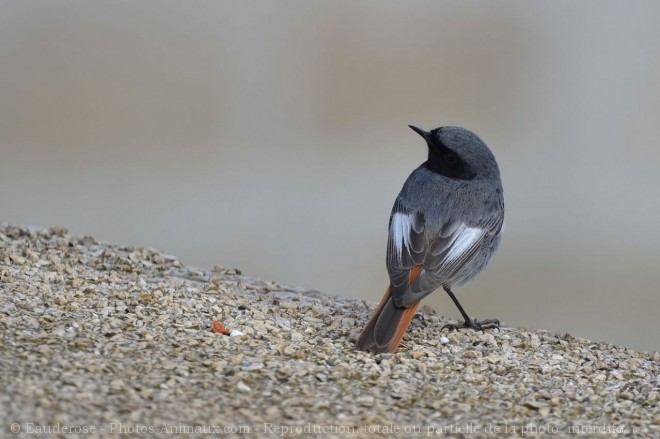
474	324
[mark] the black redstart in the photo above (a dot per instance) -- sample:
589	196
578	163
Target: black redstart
444	227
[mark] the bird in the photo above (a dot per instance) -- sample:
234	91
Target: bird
445	225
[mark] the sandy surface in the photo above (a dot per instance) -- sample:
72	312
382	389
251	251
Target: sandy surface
101	340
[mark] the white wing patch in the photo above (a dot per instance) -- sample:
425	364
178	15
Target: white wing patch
465	238
400	232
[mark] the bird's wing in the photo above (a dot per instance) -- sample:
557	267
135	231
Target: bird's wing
406	248
441	256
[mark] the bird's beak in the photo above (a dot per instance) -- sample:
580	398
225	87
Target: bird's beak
421	132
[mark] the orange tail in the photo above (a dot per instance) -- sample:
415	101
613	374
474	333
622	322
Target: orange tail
388	324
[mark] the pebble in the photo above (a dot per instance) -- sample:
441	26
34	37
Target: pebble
366	400
242	387
104	333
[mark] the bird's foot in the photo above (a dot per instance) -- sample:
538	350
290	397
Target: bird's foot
474	324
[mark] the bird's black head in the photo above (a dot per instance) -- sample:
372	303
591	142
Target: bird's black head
458	153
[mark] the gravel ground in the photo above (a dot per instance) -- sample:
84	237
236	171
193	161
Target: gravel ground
106	341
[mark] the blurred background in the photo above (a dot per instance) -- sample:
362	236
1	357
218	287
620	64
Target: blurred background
272	136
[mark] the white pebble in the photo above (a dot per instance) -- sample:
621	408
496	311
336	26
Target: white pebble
235	333
444	340
242	387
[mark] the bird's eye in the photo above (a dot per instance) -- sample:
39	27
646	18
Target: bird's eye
451	158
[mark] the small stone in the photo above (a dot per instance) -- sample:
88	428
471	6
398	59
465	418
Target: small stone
347	322
365	400
532	405
473	354
493	358
235	333
444	340
216	365
248	366
242	387
627	395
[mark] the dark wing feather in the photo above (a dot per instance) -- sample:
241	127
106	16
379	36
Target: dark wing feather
406	247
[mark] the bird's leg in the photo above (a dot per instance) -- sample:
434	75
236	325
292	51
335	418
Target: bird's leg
469	323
